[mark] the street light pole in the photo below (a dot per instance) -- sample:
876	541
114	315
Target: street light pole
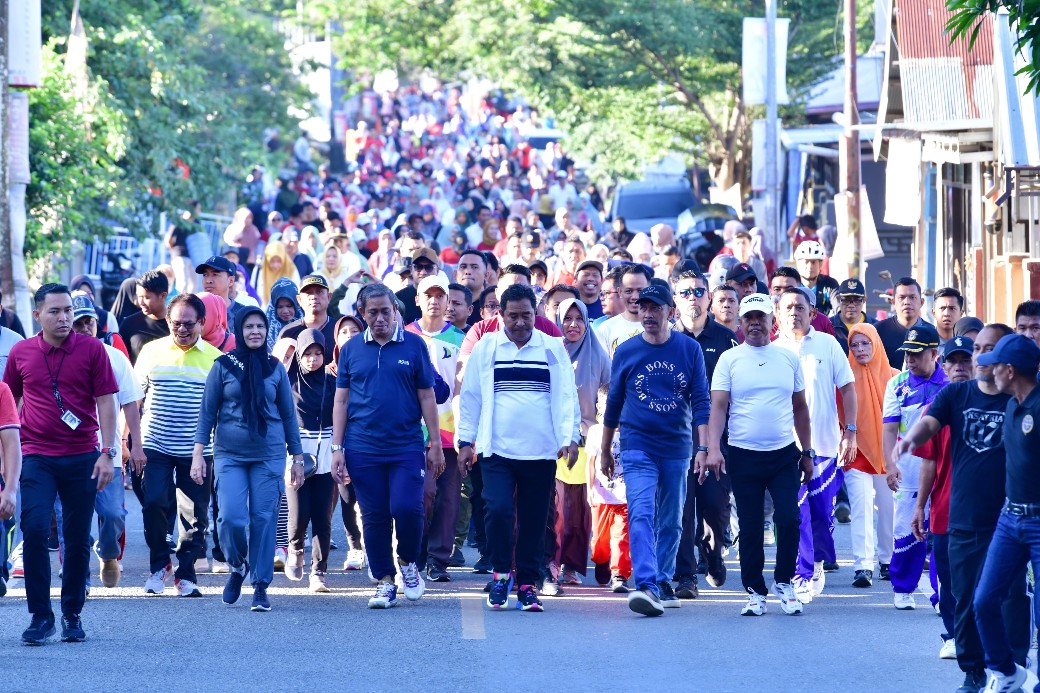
6	264
770	224
850	160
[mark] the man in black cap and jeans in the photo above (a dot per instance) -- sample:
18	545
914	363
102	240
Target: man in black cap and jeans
852	298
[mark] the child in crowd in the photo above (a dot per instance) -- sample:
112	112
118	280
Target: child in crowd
609	507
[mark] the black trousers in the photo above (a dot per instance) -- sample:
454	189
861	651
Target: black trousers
165	475
313	503
478	507
441	507
43	480
967	551
348	512
705	521
751	473
531	482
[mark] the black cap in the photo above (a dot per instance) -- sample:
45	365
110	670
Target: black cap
590	264
660	295
955	344
531	239
685	266
852	287
741	273
919	338
313	280
539	264
219	263
967	324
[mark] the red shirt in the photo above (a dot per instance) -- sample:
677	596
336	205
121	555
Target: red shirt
8	409
480	329
83	373
938	449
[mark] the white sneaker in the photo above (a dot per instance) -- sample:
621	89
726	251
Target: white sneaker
385	596
768	534
803	590
411	582
789	603
293	568
280	556
187	588
221	567
948	649
355	560
570	577
819	579
998	682
317	583
756	605
904	602
156	584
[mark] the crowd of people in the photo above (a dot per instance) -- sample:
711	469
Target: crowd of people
449	343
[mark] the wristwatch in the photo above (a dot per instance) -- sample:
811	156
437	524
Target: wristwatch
335	448
112	452
702	448
465	444
810	453
850	427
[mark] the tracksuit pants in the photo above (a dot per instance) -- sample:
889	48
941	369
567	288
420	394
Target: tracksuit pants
908	552
816	513
249	494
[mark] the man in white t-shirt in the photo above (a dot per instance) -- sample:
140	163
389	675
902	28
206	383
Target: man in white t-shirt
824	367
751	380
109	504
625	325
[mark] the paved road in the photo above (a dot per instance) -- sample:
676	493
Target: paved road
585	640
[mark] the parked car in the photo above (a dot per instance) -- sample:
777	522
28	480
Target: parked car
643	204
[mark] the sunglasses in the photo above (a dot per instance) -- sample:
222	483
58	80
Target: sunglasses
698	292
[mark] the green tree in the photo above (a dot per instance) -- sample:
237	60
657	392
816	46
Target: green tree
1023	16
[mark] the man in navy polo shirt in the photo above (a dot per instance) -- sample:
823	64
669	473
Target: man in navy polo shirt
67	390
384	387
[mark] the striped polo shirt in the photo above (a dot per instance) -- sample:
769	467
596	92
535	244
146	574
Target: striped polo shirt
522	424
173	381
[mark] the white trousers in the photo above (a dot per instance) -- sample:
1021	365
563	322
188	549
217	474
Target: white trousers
868	492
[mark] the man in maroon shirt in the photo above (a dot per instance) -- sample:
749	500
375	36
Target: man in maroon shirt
66	386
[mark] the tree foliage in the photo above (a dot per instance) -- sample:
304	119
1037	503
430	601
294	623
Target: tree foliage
1024	18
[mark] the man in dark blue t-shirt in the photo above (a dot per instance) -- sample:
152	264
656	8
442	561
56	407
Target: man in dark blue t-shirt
658	394
384	387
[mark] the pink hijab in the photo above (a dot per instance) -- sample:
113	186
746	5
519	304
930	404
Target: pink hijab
215	331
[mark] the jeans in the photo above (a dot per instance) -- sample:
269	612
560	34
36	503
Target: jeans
45	479
249	495
162	475
1015	542
816	512
752	473
867	491
389	490
517	495
705	520
441	507
656	490
967	558
313	503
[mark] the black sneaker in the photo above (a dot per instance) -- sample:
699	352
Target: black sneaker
527	599
843	513
883	572
260	600
830	566
72	628
550	587
686	587
974	681
498	595
668	598
457	560
618	585
716	572
864	578
483	566
233	588
602	574
40	628
438	575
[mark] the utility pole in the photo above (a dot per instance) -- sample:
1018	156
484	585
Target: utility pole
851	145
6	266
770	224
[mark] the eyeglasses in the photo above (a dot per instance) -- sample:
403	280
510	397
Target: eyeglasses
851	299
696	291
183	325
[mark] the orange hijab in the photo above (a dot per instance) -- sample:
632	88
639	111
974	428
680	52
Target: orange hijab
871	380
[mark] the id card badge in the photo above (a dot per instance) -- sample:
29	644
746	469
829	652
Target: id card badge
71	420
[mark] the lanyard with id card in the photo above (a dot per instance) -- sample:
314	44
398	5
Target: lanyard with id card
70	419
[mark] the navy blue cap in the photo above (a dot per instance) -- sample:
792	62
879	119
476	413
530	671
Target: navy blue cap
955	344
660	295
219	263
1014	349
920	337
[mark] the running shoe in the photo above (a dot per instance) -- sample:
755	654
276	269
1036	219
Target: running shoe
498	595
904	602
233	587
72	628
385	596
156	584
436	574
819	579
756	605
355	560
768	535
645	602
280	555
686	587
1000	682
570	577
883	571
789	602
863	578
527	599
483	566
186	588
260	600
948	649
39	630
411	582
293	568
618	585
668	598
802	589
317	584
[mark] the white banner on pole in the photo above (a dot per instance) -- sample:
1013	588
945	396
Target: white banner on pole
753	60
24	44
18	138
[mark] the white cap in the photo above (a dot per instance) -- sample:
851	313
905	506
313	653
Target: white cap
759	302
364	219
434	280
810	250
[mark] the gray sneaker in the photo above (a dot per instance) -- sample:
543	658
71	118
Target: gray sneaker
645	602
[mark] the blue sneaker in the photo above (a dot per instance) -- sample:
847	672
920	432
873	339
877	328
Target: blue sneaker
233	588
498	596
527	599
385	597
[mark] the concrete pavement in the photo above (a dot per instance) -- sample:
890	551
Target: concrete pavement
586	639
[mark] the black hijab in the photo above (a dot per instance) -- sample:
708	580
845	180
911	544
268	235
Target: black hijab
125	303
250	367
313	391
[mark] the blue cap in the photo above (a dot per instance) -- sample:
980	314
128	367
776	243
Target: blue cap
657	294
1013	349
219	263
82	307
955	344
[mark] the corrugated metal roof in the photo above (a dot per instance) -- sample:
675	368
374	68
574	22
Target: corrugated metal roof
940	80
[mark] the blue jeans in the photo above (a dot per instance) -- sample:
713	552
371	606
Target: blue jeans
656	491
1015	541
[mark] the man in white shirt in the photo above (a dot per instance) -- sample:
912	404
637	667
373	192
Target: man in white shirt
749	380
521	375
824	367
625	325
